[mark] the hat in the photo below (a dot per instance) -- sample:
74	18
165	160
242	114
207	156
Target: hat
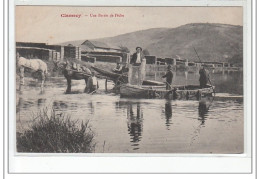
169	67
138	48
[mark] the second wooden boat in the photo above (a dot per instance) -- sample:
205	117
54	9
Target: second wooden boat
119	79
177	92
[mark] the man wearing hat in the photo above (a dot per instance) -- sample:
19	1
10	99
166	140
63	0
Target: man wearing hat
168	77
138	62
204	77
137	57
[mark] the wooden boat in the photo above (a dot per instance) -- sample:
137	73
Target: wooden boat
109	74
118	78
177	92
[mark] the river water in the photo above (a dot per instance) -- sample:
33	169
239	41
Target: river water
211	125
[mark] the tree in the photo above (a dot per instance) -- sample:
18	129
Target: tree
124	49
146	52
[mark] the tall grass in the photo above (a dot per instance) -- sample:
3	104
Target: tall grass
56	133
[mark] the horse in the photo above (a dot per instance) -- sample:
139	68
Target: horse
79	73
37	66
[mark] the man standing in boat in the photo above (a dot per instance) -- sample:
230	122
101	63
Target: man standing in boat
138	62
204	77
168	76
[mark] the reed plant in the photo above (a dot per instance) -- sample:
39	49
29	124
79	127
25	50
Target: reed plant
56	133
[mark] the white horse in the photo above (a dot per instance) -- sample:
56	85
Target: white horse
36	65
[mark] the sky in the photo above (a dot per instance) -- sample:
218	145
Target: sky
47	25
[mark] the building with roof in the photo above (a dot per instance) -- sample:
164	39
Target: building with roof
101	51
91	45
44	51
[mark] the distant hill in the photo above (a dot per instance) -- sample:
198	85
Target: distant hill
213	42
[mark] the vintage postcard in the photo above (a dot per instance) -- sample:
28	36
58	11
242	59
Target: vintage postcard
130	80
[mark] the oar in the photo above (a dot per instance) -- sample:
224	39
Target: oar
212	87
93	92
168	84
211	102
196	53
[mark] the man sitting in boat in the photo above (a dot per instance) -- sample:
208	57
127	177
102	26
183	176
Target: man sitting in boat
168	77
204	76
138	62
118	68
92	84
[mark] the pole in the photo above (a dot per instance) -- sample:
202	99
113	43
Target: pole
197	54
168	84
212	87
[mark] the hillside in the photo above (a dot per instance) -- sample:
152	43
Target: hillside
213	42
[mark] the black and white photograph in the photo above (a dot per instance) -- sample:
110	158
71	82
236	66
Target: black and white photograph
156	80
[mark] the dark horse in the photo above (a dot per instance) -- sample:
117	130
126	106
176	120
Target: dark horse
72	74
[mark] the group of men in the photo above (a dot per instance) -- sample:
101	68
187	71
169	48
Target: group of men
204	77
138	57
136	60
137	70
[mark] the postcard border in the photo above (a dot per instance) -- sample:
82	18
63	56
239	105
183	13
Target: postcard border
252	101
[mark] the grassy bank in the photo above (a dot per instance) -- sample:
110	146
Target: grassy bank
56	133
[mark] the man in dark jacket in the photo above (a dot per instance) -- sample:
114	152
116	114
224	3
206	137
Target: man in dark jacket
137	57
168	76
137	62
204	76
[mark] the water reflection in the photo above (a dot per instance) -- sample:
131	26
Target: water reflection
186	75
224	81
41	102
23	104
92	107
144	125
61	105
168	114
19	103
20	89
203	111
135	123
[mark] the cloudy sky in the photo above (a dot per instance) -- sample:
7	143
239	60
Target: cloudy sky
46	24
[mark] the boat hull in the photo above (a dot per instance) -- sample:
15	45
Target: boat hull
123	77
153	92
133	91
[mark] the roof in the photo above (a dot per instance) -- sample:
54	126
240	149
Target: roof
33	48
89	44
85	48
96	44
74	43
